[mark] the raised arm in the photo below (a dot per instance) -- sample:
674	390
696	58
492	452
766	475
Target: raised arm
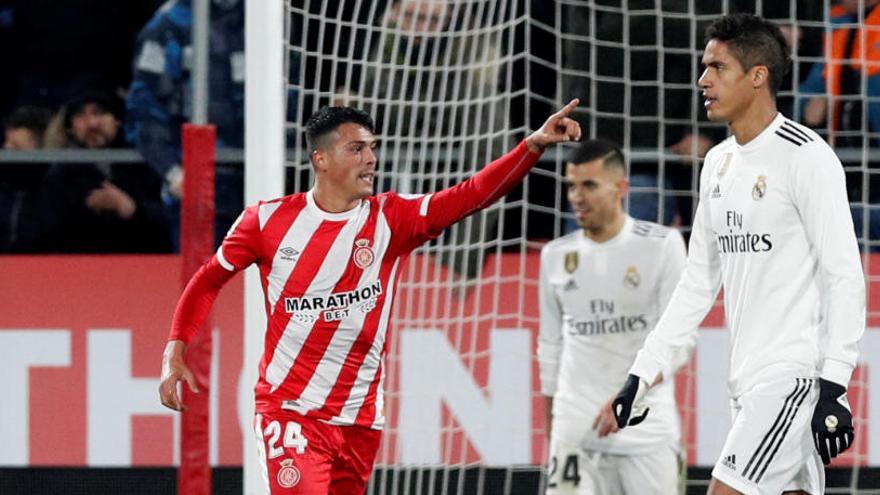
499	177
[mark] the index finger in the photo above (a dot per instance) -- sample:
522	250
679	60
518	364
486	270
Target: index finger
567	109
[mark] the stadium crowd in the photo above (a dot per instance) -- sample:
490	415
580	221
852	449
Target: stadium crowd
104	74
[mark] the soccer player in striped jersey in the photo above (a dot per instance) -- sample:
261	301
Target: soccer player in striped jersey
773	227
602	289
329	260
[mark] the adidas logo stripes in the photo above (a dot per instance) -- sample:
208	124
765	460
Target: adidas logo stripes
793	133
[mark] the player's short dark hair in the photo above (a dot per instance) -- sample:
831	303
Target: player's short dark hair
328	119
594	149
753	40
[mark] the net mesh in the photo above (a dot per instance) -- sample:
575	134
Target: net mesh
452	84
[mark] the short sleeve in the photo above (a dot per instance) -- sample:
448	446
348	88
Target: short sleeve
241	247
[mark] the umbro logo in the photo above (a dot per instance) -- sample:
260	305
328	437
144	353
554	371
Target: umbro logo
716	191
570	285
288	253
730	461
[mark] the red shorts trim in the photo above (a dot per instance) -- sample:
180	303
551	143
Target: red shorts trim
304	456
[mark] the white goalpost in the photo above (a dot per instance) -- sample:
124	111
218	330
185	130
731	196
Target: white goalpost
452	84
265	45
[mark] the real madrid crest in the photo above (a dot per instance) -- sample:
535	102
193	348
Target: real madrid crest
288	475
760	188
632	279
571	261
363	253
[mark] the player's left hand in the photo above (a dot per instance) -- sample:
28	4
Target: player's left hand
627	406
558	128
174	370
832	421
605	422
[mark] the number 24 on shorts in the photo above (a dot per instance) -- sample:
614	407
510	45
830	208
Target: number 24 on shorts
293	438
570	472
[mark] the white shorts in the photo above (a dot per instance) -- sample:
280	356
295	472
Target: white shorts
770	448
574	471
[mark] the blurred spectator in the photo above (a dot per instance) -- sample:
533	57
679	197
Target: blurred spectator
94	208
59	48
439	122
837	84
160	101
632	106
852	62
7	52
25	128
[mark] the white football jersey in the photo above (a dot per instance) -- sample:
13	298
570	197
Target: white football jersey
773	226
598	303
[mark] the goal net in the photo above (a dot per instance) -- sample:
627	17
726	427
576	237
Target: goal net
453	84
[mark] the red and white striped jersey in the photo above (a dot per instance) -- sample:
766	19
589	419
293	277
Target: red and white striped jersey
329	281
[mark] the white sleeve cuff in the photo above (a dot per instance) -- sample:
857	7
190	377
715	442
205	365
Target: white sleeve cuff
423	208
548	389
549	376
646	367
837	372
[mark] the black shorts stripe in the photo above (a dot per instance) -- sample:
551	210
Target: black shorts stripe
777	424
791	134
785	432
800	132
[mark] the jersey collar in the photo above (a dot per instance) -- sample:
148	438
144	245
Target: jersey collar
617	239
761	138
313	207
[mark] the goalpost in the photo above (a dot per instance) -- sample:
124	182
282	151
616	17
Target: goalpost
452	84
265	45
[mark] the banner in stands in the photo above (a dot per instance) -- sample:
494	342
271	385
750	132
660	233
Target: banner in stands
81	339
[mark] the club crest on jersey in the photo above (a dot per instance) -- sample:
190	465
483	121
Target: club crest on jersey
363	253
760	188
288	475
571	261
724	165
632	279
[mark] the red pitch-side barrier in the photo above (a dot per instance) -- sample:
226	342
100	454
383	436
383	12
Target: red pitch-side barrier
81	340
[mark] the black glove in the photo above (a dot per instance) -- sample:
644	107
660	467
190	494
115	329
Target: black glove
627	406
832	421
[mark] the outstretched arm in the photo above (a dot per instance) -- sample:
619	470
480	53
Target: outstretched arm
499	177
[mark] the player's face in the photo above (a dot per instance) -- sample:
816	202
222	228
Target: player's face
595	192
727	88
350	163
